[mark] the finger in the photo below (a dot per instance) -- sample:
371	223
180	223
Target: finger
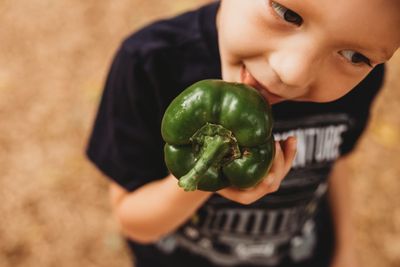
281	165
289	151
285	153
278	162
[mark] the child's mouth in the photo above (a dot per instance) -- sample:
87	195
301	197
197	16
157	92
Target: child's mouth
248	79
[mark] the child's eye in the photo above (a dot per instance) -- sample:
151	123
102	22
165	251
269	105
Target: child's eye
355	57
287	14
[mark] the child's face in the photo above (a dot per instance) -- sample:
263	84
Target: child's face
308	50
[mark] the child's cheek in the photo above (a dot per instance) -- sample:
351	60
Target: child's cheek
242	27
246	42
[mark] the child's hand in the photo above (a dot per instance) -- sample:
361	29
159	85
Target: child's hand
285	153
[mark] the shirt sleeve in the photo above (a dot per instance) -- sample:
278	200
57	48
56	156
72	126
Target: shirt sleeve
126	143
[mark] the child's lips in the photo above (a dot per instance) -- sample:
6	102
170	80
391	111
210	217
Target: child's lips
248	79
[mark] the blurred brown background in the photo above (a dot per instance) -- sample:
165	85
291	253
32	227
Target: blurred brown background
54	209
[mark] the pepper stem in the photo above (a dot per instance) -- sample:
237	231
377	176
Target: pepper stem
213	150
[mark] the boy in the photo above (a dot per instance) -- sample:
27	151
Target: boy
307	59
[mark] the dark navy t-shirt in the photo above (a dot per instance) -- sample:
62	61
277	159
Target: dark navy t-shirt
291	227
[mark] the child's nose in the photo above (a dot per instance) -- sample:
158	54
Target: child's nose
296	66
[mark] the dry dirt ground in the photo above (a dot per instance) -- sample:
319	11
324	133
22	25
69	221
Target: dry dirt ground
54	56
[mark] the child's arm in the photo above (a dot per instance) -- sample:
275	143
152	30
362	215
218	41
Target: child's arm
341	203
159	207
154	209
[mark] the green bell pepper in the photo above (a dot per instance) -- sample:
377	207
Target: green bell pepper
218	134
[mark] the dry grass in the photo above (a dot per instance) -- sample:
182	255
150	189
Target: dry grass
54	208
